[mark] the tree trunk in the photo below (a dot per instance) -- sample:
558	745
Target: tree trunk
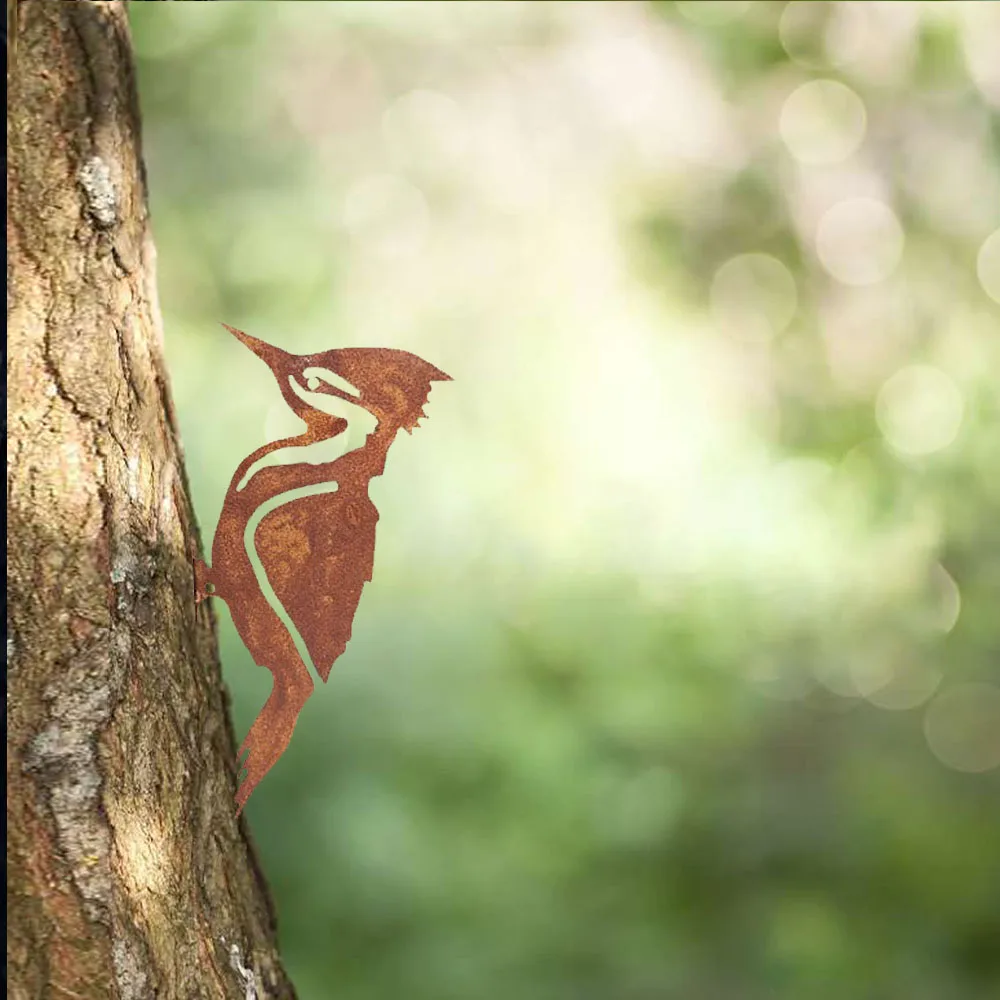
127	873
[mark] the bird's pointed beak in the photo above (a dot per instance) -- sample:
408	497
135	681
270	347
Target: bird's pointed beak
273	357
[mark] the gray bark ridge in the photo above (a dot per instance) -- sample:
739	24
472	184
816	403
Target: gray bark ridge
128	874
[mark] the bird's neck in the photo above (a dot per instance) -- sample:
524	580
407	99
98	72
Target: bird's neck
351	471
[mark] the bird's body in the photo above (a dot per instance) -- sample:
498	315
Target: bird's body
318	573
317	550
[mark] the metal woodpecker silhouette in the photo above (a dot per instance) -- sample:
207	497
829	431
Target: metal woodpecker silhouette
316	550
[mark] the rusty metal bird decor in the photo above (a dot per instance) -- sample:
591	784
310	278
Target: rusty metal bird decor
309	526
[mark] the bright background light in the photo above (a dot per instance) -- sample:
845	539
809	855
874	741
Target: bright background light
676	677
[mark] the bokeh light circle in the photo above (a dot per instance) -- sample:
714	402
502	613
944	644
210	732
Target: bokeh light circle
919	410
180	32
980	24
818	34
822	121
947	600
753	297
859	241
387	214
907	684
427	128
712	12
962	727
872	669
988	265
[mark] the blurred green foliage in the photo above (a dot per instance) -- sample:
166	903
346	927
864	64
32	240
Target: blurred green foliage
678	674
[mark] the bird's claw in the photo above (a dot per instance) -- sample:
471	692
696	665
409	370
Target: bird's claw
201	581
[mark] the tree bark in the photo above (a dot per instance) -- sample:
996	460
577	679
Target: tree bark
128	874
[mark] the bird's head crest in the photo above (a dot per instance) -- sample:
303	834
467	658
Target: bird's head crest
392	385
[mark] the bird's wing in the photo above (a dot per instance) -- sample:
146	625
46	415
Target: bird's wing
318	552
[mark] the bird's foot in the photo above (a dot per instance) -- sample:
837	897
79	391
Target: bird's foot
202	581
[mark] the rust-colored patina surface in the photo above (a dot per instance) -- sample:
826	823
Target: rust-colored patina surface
317	550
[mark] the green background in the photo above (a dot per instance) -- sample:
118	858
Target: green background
678	675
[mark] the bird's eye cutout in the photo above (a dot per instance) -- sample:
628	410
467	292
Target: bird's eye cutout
316	376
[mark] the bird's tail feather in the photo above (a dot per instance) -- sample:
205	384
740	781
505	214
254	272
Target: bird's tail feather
271	732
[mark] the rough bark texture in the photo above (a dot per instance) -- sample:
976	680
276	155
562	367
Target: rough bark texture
127	873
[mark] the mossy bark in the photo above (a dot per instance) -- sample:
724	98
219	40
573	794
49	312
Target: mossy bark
127	873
